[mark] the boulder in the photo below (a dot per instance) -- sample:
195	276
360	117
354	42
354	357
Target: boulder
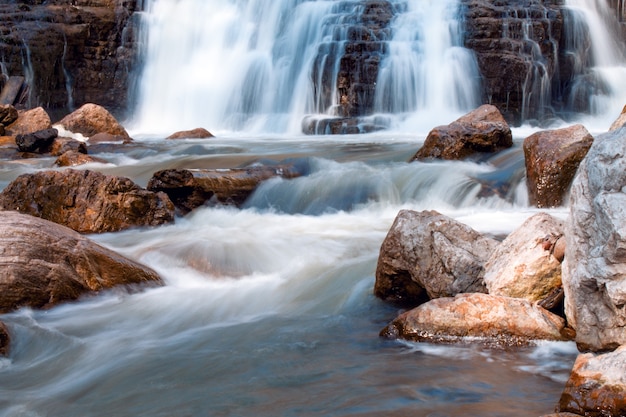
594	270
87	201
620	122
108	138
44	264
5	340
192	188
74	158
483	130
427	255
493	320
8	114
597	385
198	133
552	158
524	264
37	142
63	145
29	121
92	119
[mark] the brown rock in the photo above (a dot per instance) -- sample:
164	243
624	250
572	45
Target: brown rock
74	158
480	131
198	133
43	264
428	255
189	189
496	321
92	119
63	145
8	114
552	159
7	141
107	138
29	121
620	122
87	201
523	265
597	385
5	340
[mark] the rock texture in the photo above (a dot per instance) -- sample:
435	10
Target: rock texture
597	385
5	340
552	158
480	131
43	264
620	121
78	51
197	133
427	255
29	121
524	265
92	119
39	142
87	201
594	271
496	321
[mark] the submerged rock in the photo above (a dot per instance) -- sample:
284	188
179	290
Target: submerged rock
428	255
483	130
87	201
198	133
43	264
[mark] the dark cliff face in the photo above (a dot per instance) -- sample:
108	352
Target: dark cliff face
70	52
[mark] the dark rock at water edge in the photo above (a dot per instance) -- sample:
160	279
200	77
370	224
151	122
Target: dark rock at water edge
40	141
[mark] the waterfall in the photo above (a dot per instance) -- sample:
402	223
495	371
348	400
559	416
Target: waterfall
428	74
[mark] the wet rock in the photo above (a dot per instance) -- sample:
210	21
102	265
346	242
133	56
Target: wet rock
523	265
493	320
198	133
5	340
92	119
189	189
427	255
108	138
594	277
8	114
483	130
552	159
597	385
29	121
87	201
38	142
620	122
43	264
63	145
74	158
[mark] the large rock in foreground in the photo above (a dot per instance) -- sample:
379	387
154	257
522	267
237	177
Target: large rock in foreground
87	201
43	263
483	130
428	255
552	158
597	385
496	321
594	271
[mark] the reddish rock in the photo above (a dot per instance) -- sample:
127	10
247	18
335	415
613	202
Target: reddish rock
63	145
8	114
597	385
43	264
74	158
189	189
29	121
107	138
92	119
483	130
496	321
198	133
87	201
552	159
620	122
428	255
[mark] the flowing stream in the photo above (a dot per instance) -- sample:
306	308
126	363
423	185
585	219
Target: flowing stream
268	310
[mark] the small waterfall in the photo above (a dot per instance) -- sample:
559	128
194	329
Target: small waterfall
597	58
428	74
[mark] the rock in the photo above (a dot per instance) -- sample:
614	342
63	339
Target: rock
108	138
75	158
562	415
495	321
29	121
597	385
8	114
620	122
552	159
523	265
594	270
480	131
189	189
427	255
92	119
63	145
87	201
44	264
39	142
198	133
5	340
